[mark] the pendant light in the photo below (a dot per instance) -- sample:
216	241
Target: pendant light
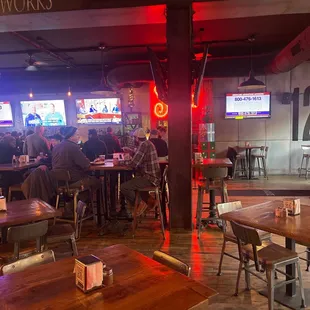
103	88
251	83
30	94
69	93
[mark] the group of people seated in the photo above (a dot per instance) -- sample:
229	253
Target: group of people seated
62	152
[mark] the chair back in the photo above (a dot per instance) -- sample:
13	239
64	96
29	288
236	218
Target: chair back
247	235
31	261
228	207
172	262
264	151
17	234
305	149
214	172
80	212
62	177
214	175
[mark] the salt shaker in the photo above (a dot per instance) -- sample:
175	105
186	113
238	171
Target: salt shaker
107	276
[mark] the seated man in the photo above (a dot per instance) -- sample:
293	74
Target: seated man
145	161
36	143
67	155
160	144
94	147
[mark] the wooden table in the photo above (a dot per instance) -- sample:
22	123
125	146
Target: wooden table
110	172
18	167
139	283
214	162
26	211
293	228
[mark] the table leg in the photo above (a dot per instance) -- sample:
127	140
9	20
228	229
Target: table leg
163	203
291	269
212	213
248	155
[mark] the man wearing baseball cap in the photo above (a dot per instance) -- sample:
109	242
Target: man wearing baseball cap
145	162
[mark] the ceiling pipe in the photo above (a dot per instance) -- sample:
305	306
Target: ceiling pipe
129	74
42	48
95	48
294	54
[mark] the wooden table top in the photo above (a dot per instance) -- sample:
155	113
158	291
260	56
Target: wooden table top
214	162
26	211
262	217
139	283
18	166
108	166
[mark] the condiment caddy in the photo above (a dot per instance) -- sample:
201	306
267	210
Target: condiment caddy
91	273
291	206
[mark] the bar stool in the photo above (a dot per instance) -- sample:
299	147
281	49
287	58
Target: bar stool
241	165
261	159
152	189
62	178
214	179
305	155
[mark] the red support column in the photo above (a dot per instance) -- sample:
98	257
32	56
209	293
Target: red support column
179	40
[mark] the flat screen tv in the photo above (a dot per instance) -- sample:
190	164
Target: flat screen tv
6	117
248	105
44	112
99	111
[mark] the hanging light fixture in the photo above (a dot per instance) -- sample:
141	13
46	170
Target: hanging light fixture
69	93
251	83
103	88
30	93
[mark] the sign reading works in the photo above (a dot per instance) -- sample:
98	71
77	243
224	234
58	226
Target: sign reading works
8	7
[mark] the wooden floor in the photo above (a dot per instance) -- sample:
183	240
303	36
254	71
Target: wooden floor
204	255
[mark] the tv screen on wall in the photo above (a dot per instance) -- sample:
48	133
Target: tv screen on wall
248	105
44	112
6	117
99	111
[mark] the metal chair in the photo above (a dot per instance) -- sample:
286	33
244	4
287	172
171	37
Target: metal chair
214	179
305	155
65	232
261	158
20	234
31	261
63	178
153	189
172	262
307	260
267	256
228	233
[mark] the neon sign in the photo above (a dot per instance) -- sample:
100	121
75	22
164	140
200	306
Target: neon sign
161	109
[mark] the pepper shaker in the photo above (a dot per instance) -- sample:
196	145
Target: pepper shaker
107	276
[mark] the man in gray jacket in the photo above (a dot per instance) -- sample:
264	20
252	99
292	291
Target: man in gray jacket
36	143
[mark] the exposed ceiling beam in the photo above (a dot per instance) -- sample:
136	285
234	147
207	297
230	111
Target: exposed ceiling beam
43	49
148	14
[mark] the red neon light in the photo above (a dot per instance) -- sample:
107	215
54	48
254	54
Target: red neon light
160	110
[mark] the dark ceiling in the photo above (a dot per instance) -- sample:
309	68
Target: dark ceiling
127	45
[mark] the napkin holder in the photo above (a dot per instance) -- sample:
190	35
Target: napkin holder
88	273
3	204
292	205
